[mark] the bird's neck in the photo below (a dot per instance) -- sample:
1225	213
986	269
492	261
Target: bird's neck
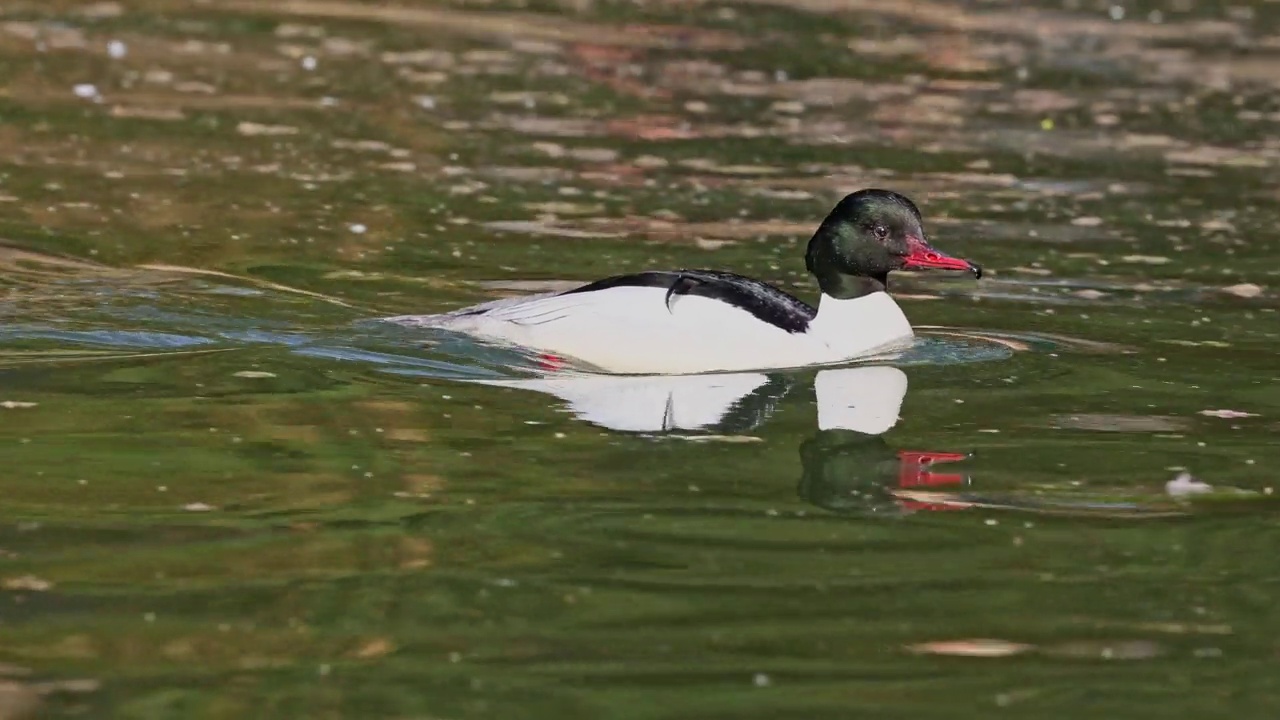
849	287
859	323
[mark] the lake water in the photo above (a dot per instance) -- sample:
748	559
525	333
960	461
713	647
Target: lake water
229	491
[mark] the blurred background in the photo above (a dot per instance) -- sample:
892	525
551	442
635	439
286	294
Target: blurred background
230	492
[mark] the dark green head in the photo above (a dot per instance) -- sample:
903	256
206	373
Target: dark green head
869	234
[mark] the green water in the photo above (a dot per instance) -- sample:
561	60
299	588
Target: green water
227	493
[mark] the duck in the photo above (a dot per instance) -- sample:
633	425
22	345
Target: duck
675	322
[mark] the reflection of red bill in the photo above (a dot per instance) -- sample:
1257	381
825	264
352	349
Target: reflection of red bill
914	471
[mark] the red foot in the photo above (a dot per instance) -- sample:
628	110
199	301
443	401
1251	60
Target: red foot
549	362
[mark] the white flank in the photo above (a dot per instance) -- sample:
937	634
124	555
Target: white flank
629	330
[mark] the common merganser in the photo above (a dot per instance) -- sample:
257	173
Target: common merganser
696	321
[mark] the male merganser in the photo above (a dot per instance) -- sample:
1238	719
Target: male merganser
694	321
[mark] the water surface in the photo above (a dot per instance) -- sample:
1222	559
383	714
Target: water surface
231	492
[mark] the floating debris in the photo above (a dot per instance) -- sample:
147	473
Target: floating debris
374	648
1186	484
540	228
719	438
1227	414
1089	294
252	129
976	647
18	700
1244	290
993	648
1115	422
27	582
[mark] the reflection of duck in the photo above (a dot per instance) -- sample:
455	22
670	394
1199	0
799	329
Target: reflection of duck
849	471
697	321
865	399
727	403
847	465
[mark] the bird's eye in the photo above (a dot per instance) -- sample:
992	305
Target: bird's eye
881	231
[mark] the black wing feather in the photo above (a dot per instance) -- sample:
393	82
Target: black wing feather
764	301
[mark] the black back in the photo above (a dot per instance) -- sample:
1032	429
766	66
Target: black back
764	301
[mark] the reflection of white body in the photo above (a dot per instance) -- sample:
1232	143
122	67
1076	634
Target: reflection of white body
865	399
632	330
640	403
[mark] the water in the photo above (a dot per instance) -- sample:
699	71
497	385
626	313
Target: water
230	491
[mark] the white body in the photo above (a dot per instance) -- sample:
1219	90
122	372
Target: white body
866	399
629	330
